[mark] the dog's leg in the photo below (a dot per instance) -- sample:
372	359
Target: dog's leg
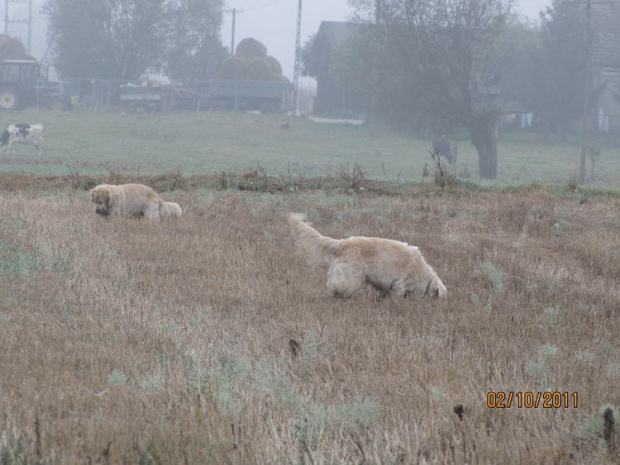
403	290
343	280
383	289
382	294
152	212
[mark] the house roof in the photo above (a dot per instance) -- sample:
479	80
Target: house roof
606	33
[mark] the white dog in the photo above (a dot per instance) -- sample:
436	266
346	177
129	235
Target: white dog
386	264
132	201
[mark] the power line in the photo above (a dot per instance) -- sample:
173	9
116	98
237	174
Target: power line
28	21
585	117
297	66
262	5
234	12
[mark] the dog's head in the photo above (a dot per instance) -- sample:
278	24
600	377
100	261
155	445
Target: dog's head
436	289
100	196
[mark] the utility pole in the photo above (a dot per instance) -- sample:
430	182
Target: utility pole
28	22
234	12
297	67
29	27
585	115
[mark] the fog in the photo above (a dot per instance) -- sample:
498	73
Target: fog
19	12
273	22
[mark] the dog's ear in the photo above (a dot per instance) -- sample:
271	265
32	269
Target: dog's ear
99	194
107	196
437	289
94	194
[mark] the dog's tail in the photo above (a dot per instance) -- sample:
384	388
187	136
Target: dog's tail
169	209
318	248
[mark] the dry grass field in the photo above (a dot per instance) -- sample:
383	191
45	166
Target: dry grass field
208	340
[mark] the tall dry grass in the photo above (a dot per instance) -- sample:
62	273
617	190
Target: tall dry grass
209	340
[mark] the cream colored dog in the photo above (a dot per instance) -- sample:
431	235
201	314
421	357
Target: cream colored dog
386	264
132	201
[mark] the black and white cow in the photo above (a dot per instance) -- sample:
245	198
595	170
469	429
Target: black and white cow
22	133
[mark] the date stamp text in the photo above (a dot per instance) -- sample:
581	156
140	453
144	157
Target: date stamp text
531	399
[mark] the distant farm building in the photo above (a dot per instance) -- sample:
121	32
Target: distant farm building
606	64
332	97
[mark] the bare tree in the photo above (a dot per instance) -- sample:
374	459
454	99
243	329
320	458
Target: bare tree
107	38
195	50
443	50
123	39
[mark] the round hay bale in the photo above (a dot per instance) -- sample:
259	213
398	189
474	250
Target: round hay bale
11	49
259	69
250	48
233	68
274	64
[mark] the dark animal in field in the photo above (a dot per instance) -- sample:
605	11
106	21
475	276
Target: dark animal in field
442	147
22	133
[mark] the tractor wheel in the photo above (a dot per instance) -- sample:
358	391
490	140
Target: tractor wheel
9	98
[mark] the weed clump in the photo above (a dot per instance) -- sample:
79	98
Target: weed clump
442	177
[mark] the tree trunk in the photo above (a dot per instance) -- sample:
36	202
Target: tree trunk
484	137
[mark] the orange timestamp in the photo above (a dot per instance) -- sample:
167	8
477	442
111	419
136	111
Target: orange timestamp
530	399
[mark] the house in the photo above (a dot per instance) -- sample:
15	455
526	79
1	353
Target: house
332	97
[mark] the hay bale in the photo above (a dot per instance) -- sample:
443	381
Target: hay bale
250	48
233	68
274	64
265	69
259	69
11	49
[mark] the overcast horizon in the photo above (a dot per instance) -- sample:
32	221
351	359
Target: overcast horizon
272	22
279	37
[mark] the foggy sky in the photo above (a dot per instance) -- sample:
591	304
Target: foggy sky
19	11
273	22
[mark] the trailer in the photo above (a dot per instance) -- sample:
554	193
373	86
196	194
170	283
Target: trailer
264	96
216	95
148	97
